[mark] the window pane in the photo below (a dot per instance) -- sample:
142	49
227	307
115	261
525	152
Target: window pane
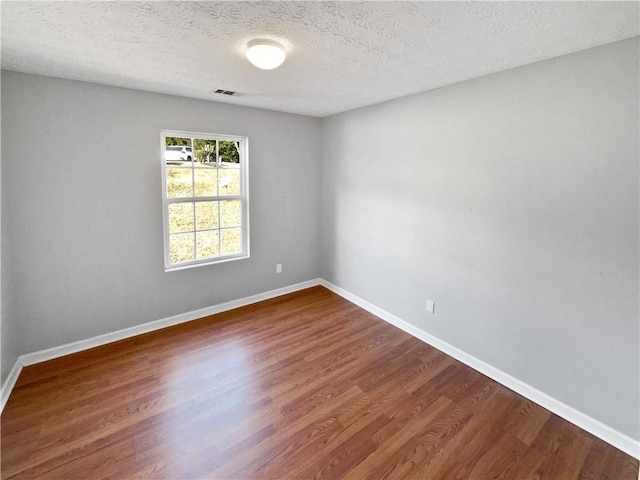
181	247
207	244
178	150
204	150
206	181
229	181
179	182
230	213
206	215
180	217
181	141
231	240
229	151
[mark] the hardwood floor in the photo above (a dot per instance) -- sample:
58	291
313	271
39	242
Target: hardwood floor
303	386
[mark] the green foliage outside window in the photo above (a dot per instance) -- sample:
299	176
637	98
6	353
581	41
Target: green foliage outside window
205	150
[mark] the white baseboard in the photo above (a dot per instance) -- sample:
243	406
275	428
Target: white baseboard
74	347
591	425
9	383
55	352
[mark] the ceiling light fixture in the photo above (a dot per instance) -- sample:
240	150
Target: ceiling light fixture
265	54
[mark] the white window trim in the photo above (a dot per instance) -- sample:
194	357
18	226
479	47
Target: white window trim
244	199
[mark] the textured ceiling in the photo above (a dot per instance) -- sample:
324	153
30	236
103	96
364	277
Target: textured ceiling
341	55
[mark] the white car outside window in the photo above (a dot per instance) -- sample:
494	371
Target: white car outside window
178	153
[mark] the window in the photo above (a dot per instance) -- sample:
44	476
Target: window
205	198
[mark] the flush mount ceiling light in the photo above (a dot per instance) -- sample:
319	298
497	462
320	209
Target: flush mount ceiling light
265	54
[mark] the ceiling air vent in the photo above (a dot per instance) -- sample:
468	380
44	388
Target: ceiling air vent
224	92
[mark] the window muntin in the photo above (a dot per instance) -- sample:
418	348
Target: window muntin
205	198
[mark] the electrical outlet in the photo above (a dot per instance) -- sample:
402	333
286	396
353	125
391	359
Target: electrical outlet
278	268
431	307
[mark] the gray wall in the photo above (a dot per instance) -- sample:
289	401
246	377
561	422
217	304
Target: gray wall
8	321
82	211
6	356
512	201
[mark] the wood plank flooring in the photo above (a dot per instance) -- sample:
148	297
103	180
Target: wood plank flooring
303	386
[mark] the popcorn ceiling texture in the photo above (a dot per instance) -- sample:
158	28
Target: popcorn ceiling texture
341	55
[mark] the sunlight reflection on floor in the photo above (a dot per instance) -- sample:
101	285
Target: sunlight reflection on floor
226	367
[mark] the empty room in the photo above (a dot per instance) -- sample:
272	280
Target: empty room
320	240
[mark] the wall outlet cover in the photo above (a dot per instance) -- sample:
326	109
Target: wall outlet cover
431	307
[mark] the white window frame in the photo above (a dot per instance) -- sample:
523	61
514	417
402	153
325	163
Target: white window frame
243	152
